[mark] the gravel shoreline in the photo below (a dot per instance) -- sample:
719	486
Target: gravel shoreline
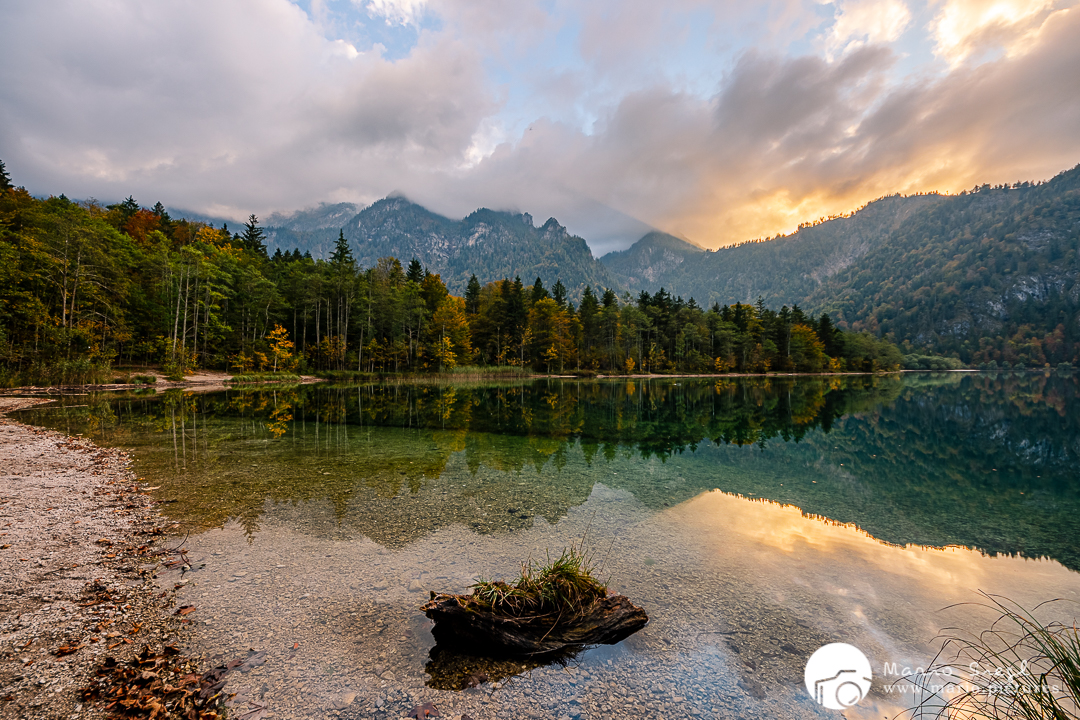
79	542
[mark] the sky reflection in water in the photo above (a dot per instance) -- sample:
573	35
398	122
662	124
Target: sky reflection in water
755	520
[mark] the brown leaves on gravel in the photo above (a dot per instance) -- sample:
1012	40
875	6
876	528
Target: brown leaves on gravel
156	685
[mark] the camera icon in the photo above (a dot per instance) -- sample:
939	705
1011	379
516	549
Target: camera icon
838	676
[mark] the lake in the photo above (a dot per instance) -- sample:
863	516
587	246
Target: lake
755	519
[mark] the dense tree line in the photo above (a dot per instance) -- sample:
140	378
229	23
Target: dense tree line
85	287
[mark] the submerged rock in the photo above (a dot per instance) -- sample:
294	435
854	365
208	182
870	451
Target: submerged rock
463	624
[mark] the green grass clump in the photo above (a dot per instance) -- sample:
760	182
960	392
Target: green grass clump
565	586
1018	669
145	379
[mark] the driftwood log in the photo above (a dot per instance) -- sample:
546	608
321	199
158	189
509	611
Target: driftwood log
462	624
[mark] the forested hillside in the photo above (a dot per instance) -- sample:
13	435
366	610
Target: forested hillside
783	271
488	244
989	275
85	288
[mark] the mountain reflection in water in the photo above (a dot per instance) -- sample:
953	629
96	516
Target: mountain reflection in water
983	462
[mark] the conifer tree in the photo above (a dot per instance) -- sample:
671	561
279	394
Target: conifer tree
5	179
342	255
558	293
254	238
539	292
415	273
472	296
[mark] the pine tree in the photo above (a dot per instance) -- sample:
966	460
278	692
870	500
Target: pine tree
253	238
127	209
415	273
558	293
472	296
515	306
829	336
539	292
342	255
5	179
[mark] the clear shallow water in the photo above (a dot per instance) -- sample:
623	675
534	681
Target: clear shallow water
754	520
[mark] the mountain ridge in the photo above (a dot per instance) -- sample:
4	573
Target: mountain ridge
488	243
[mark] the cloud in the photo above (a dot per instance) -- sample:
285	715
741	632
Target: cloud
965	28
610	122
859	22
791	139
401	12
242	105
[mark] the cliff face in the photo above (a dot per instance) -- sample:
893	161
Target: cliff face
491	244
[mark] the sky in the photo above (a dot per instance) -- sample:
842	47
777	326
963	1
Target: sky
715	120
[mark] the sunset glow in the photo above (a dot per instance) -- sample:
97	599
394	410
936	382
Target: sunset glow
716	122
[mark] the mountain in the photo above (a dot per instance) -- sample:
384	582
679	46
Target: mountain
656	260
992	274
785	270
324	216
491	244
197	217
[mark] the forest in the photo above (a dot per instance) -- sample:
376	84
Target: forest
86	288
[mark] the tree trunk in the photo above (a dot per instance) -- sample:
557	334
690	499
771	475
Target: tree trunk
460	622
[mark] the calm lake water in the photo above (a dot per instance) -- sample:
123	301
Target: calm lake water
754	519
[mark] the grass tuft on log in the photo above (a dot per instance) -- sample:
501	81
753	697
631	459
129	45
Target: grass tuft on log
565	586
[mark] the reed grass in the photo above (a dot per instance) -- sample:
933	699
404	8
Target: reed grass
1021	668
60	372
470	372
265	377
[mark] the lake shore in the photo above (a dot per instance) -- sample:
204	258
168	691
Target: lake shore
201	381
79	542
213	381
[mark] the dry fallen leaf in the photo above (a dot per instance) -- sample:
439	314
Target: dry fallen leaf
185	610
68	649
